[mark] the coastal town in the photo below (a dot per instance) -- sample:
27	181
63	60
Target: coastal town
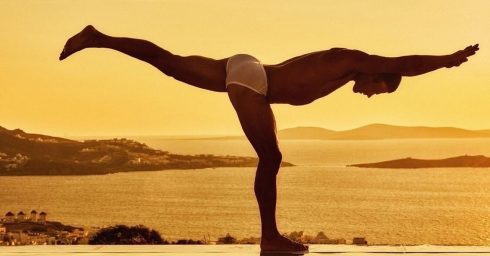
35	229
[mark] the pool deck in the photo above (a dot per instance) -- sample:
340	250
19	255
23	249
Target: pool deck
240	250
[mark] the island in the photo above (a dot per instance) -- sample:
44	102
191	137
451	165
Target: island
375	132
412	163
23	153
382	132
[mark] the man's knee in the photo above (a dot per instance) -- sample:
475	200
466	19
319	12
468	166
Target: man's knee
167	63
267	170
270	160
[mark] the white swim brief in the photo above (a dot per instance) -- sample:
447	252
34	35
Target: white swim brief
247	71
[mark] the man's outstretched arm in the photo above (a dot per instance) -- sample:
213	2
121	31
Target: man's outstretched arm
412	65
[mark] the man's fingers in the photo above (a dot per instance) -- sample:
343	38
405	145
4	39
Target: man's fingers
462	56
470	50
475	48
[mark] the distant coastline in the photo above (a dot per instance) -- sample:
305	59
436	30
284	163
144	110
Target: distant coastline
23	153
370	132
413	163
382	132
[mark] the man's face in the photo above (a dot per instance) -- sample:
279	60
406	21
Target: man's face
370	84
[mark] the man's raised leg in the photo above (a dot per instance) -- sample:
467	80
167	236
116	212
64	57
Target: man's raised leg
202	72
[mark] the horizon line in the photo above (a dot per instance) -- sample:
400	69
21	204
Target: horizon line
220	135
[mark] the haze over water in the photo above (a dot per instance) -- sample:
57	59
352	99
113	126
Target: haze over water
424	206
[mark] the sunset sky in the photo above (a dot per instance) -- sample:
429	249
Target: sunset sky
102	92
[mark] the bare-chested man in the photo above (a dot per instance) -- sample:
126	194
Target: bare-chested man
252	87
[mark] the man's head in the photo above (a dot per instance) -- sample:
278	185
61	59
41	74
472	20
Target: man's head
371	84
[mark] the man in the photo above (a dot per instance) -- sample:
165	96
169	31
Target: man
252	87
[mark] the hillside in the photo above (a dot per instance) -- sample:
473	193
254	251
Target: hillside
380	131
22	153
383	131
310	133
50	227
410	163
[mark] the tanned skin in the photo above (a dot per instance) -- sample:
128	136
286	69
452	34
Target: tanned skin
297	81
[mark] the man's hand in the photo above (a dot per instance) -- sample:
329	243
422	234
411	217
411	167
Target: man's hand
461	56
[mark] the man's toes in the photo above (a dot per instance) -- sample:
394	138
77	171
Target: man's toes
63	55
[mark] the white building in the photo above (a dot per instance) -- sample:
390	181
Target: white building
42	217
21	216
33	217
20	238
9	217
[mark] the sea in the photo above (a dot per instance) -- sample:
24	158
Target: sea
443	206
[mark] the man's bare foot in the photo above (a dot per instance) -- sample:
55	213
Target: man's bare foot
79	41
281	244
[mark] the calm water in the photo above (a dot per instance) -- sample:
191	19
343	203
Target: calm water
426	206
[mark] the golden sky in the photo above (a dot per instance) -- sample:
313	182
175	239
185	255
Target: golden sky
103	92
